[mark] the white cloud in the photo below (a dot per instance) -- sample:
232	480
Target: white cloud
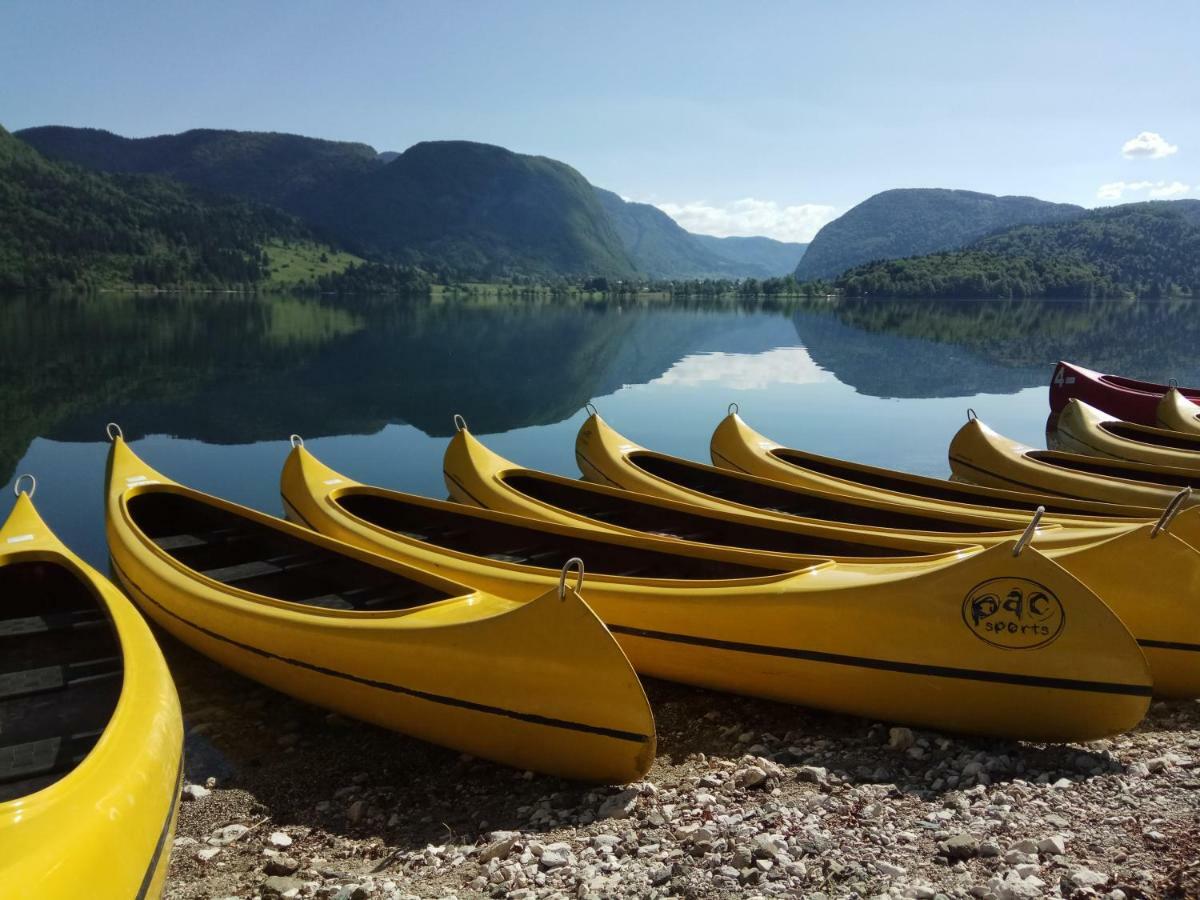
1114	190
750	217
1169	190
1147	145
746	371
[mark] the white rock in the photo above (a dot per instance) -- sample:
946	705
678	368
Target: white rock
618	806
498	849
751	777
1056	845
205	854
889	870
1086	878
279	839
195	792
228	834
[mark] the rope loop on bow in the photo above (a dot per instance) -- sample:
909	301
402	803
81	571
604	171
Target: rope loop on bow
573	563
21	480
1024	539
113	430
1170	512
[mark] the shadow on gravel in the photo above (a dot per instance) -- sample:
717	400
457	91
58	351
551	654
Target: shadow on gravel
302	766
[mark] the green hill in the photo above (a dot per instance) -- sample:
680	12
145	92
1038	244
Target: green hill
65	226
1144	249
661	248
910	222
762	257
284	170
478	209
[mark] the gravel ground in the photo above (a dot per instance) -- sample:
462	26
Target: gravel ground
746	798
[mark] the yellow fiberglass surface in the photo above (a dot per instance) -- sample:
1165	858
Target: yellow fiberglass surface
535	682
1177	412
737	446
91	738
1148	576
981	455
606	456
973	643
1084	429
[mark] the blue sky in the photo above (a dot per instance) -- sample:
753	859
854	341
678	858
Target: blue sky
735	117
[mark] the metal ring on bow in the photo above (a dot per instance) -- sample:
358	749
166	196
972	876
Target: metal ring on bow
590	409
573	563
1170	512
113	430
1024	539
460	424
17	486
1171	382
732	409
971	414
296	441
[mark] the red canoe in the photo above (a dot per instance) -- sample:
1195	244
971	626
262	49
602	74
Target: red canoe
1125	398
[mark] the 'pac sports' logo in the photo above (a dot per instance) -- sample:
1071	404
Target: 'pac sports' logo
1014	613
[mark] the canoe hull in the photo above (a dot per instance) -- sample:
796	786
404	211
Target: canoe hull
469	672
115	812
888	647
1082	428
1125	398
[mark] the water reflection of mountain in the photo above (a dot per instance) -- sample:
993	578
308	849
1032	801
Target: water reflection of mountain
237	370
909	348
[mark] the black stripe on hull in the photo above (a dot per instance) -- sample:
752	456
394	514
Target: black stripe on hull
157	858
864	662
454	702
462	487
583	461
1169	645
1037	489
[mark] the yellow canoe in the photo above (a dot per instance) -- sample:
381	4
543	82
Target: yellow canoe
606	456
1084	429
91	737
1177	412
737	446
1159	608
981	455
536	682
971	644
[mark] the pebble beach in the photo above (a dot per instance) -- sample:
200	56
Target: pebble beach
746	799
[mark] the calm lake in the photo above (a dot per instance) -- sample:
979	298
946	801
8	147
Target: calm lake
208	388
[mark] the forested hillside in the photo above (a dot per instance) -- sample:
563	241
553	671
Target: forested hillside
910	222
64	226
1143	249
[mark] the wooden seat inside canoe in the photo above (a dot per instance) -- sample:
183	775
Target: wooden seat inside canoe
726	486
1115	469
60	674
484	537
639	515
240	552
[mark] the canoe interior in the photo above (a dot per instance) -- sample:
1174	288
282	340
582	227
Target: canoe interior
60	674
630	512
504	542
251	556
1173	441
1115	470
1148	387
722	486
899	483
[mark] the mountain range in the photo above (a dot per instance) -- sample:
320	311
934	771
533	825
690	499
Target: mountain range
474	209
86	207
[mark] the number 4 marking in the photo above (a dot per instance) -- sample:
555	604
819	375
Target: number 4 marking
1060	377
